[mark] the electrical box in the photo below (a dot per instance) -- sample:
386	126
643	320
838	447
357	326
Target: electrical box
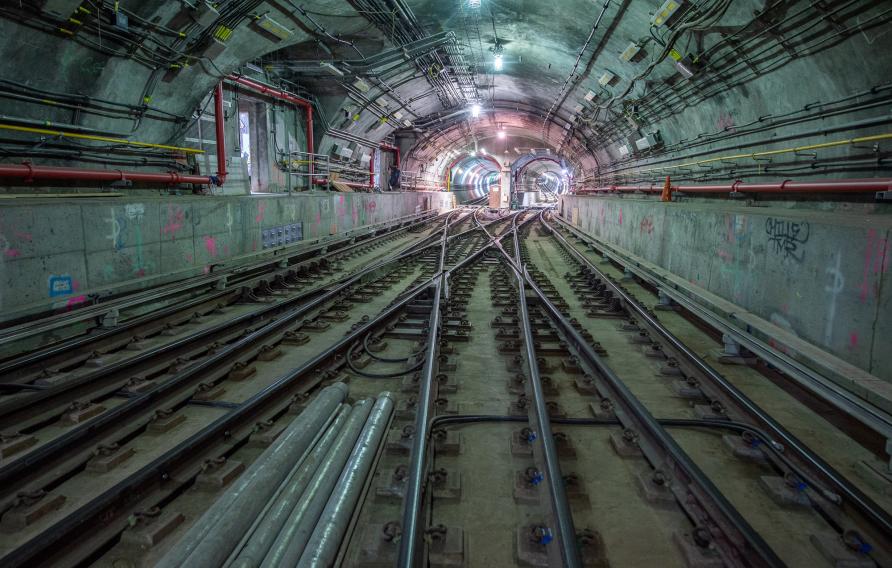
607	78
273	27
665	13
342	150
361	85
398	115
205	15
331	69
590	96
649	141
408	123
623	150
686	67
631	52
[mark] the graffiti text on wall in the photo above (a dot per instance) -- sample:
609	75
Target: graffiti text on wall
788	237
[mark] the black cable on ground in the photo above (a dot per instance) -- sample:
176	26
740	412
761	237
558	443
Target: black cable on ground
368	375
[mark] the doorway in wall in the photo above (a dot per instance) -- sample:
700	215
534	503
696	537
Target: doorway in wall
244	138
253	142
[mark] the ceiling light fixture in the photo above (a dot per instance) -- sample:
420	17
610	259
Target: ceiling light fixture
497	62
475	110
501	135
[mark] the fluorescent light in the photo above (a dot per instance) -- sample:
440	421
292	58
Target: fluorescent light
482	151
497	63
475	110
501	135
458	171
474	3
564	171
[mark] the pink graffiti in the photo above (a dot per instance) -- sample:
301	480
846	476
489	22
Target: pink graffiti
75	301
175	221
646	226
210	243
876	261
853	340
12	253
261	209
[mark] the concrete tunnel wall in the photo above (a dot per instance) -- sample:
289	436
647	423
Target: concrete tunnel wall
821	274
54	253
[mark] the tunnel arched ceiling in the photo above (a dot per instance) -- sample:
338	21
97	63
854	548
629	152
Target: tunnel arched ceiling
579	79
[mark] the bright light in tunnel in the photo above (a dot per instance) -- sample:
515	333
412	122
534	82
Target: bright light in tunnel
473	3
482	151
564	171
475	110
497	63
501	134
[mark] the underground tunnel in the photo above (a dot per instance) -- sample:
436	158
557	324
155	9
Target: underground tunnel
445	283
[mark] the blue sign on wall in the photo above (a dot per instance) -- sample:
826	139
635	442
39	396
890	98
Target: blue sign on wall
61	286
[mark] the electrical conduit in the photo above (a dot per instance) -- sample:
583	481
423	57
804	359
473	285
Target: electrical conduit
211	539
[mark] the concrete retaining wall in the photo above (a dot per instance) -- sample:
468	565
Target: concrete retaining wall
824	275
56	252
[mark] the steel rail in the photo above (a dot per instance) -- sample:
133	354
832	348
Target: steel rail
784	438
825	389
85	433
104	508
321	294
540	422
418	453
737	542
412	502
20	331
240	271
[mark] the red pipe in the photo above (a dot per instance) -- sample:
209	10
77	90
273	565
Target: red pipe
221	133
869	185
31	173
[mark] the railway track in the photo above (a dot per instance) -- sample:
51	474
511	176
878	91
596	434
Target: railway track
486	394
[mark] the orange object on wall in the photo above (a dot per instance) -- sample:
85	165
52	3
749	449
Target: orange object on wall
667	191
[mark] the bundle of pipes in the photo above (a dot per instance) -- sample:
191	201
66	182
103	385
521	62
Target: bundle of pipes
293	506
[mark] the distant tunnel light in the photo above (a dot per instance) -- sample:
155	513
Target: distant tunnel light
564	171
497	63
475	110
482	151
473	3
501	135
